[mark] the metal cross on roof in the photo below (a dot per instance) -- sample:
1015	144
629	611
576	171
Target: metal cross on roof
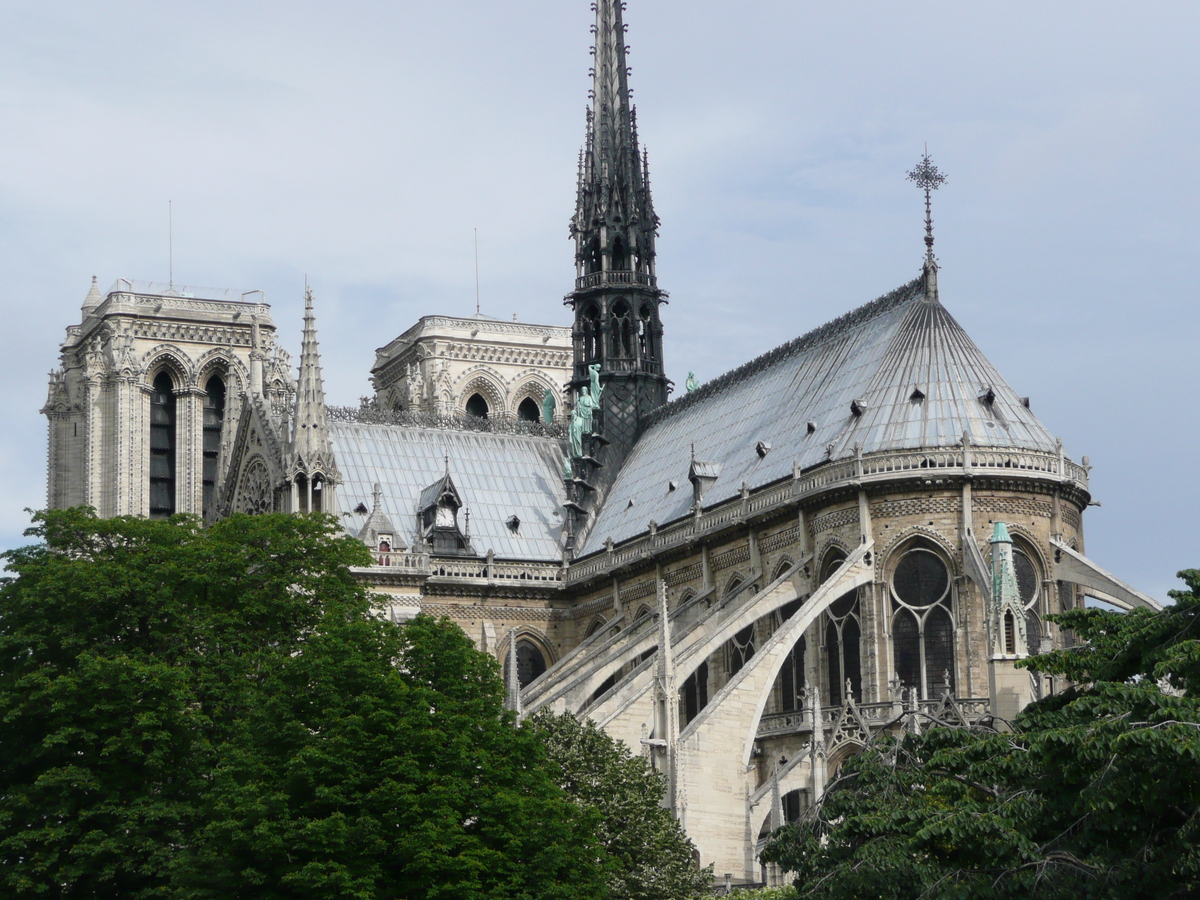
926	175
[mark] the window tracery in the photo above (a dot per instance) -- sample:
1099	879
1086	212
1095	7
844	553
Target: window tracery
922	621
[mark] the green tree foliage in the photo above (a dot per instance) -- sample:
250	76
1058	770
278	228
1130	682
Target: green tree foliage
1095	792
216	712
649	856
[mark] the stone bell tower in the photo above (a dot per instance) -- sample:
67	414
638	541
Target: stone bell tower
616	298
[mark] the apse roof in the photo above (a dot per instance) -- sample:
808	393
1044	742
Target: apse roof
897	373
497	476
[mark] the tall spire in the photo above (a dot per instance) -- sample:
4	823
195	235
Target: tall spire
312	452
613	184
618	331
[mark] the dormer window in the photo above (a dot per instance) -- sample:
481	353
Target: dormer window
437	518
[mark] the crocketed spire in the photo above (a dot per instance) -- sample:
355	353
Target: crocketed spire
312	452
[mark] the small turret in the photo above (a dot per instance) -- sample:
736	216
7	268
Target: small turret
93	299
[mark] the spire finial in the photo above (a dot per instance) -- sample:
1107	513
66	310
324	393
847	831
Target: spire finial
926	175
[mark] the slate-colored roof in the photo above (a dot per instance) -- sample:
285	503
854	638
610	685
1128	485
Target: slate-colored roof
879	355
497	476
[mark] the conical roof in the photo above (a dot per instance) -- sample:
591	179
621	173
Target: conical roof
896	374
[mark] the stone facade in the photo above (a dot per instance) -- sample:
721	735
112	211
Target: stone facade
441	363
207	348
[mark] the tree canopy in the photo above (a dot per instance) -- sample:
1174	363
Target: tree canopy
207	712
650	856
1094	792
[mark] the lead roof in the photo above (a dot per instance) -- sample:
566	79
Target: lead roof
913	374
497	476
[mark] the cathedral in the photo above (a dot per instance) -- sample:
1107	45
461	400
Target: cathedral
743	583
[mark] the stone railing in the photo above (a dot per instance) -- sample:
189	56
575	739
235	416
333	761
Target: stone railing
874	714
471	570
375	415
849	472
596	279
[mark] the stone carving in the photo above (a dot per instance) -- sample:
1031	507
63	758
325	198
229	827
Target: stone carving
692	383
255	496
548	405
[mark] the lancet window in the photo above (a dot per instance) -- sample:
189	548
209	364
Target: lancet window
162	447
843	633
213	419
922	621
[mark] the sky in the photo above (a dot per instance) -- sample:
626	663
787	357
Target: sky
363	144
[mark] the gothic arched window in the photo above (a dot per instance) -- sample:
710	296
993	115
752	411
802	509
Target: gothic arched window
531	662
318	494
213	418
1029	584
528	410
162	447
646	332
842	637
741	649
922	622
477	406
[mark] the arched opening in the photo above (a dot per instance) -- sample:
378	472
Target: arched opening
620	258
477	406
646	333
531	662
1010	633
591	256
922	624
302	493
594	627
162	447
622	330
318	494
528	410
590	324
213	420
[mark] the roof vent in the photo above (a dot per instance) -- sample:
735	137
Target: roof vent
917	395
812	426
988	397
513	523
629	505
671	485
1025	403
762	448
361	509
857	407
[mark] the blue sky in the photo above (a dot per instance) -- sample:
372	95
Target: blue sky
360	144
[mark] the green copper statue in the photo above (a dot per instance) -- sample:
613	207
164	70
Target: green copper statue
692	383
548	404
581	421
597	391
568	473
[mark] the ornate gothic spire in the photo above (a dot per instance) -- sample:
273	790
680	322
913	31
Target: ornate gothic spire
312	452
613	175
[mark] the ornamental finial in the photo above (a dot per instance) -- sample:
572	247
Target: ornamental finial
926	175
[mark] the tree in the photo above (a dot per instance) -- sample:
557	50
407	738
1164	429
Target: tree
1094	792
650	857
192	711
